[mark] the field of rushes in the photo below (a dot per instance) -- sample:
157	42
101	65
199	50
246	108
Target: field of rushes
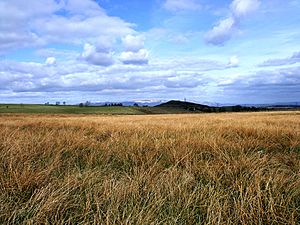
231	168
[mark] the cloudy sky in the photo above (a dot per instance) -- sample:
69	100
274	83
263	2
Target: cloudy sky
226	51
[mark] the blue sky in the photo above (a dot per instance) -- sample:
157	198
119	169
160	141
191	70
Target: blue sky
233	51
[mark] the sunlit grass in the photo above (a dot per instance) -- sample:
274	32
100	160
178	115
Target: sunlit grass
168	169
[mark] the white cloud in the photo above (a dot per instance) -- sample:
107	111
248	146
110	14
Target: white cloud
137	58
182	5
182	81
241	8
76	30
295	58
271	85
40	23
229	26
163	79
134	53
81	77
133	43
14	39
85	7
233	61
222	32
57	53
97	56
50	61
15	19
104	43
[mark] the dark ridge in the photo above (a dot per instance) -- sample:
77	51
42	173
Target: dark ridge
181	104
184	105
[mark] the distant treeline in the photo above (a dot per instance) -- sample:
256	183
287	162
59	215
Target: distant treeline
183	106
237	108
106	104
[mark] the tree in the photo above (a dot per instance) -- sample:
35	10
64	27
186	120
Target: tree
222	109
237	108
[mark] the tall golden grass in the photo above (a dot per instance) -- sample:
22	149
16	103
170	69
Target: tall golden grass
165	169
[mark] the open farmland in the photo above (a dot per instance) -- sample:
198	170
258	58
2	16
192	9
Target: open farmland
231	168
96	110
70	109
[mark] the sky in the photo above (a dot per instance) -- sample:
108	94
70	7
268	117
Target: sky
225	51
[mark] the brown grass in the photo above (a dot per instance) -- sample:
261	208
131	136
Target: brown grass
171	169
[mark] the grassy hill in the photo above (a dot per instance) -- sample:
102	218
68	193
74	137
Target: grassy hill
180	104
53	109
184	106
171	107
114	110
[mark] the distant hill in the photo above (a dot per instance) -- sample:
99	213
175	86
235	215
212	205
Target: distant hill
188	106
130	103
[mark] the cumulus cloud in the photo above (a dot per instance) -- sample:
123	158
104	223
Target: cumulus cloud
50	61
228	27
295	58
182	5
75	76
133	43
98	56
273	85
241	8
76	7
57	53
134	53
15	19
183	81
77	29
222	32
192	64
41	22
160	78
137	58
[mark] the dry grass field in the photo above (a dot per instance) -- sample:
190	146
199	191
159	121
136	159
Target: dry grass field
232	168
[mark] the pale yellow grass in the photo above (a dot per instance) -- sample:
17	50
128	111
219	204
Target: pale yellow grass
164	169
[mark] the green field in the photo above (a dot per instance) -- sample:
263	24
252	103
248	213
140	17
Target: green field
116	110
